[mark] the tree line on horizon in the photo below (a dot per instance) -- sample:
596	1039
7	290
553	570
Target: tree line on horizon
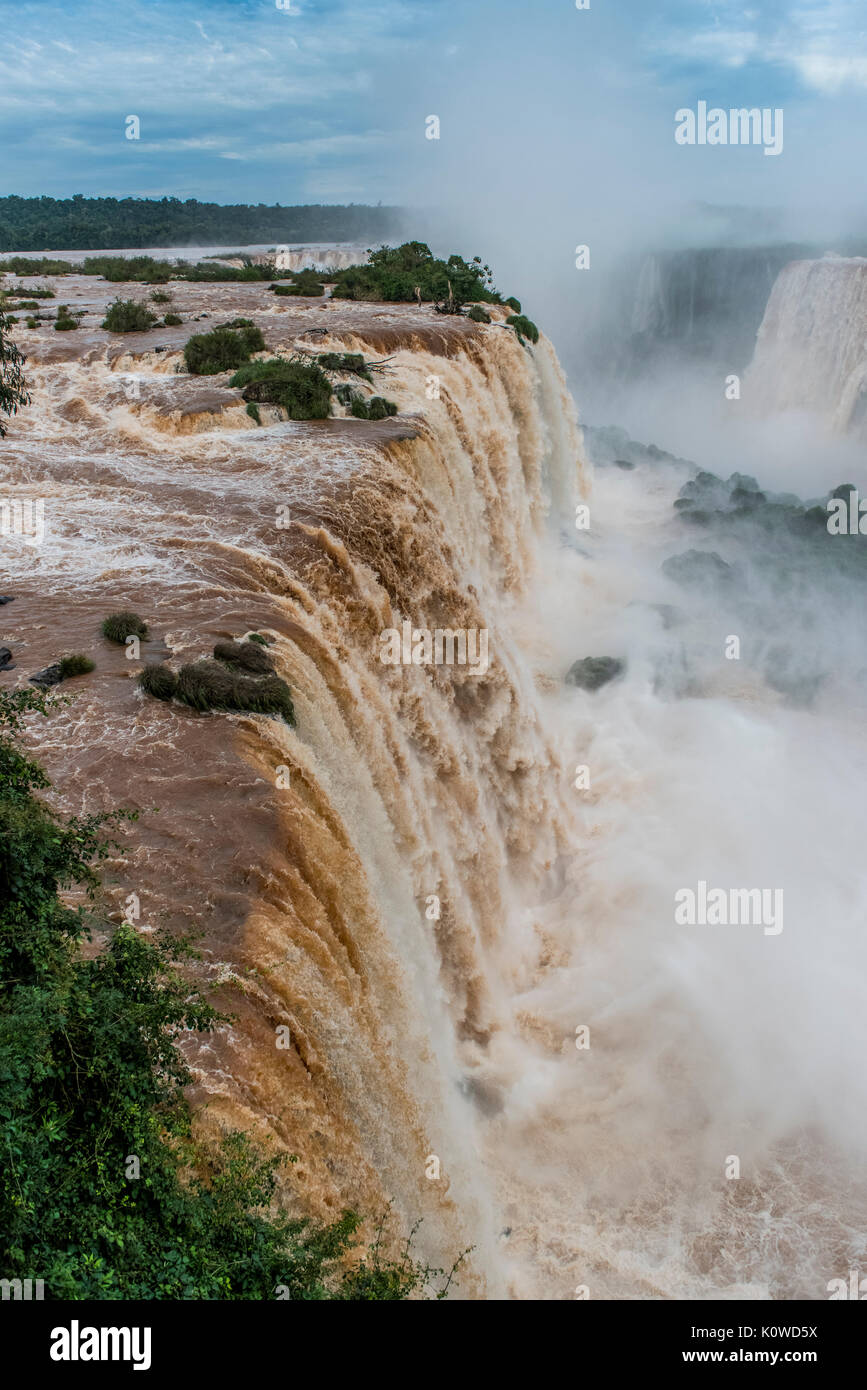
85	224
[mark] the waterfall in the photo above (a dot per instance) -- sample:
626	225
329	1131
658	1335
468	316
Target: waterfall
319	257
811	353
705	300
403	784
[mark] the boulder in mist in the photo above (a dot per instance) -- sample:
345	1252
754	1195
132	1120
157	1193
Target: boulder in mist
592	672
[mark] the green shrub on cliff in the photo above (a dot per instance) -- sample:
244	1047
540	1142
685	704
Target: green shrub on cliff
524	327
478	314
411	271
301	388
106	1192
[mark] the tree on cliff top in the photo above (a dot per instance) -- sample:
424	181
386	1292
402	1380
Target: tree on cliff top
105	1193
399	274
13	392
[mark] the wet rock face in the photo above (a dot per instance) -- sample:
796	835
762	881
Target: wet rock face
700	568
49	675
592	672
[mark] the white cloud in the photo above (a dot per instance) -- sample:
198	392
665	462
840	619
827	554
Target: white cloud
824	45
827	72
730	48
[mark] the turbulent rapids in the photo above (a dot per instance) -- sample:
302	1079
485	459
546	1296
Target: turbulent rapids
413	881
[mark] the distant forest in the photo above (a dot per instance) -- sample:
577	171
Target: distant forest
101	224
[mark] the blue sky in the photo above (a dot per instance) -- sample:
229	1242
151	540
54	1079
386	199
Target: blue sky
325	100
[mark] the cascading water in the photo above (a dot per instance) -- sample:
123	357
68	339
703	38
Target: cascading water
312	858
810	353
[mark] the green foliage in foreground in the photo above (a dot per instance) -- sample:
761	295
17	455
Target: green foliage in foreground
301	388
13	392
104	1191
